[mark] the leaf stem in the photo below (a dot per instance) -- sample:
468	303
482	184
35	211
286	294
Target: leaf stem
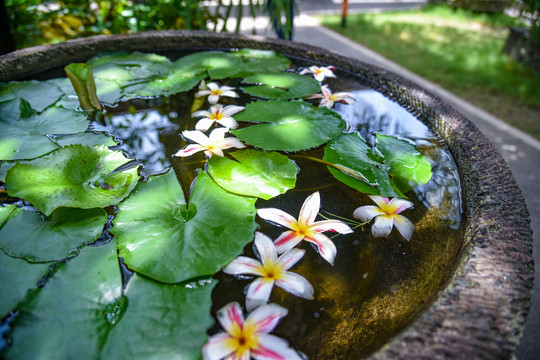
347	170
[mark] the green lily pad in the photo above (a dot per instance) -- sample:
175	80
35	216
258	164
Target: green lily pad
40	95
68	316
218	64
261	61
288	125
91	317
23	132
4	167
407	165
69	99
178	79
351	151
86	139
184	317
255	173
73	176
27	235
162	237
281	86
5	212
125	68
17	277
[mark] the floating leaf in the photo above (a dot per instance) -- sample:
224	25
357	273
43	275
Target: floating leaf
23	132
82	79
184	317
67	317
218	64
17	276
86	139
281	86
5	212
177	79
126	68
4	167
407	165
351	151
288	125
162	237
73	176
27	235
255	173
40	95
259	61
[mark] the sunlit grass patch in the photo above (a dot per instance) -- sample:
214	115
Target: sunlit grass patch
460	51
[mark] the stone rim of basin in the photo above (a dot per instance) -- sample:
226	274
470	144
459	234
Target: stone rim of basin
482	309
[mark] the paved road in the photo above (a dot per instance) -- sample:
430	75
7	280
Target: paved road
521	151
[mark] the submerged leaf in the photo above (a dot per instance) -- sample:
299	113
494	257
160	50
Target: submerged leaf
23	132
282	86
255	173
162	237
86	139
27	235
288	125
73	176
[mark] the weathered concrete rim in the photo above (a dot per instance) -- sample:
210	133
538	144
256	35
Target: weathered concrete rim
481	312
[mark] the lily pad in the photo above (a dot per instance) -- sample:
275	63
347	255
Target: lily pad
125	68
281	86
5	212
407	165
29	236
261	61
184	317
351	151
288	125
74	176
218	64
17	277
67	317
40	95
23	132
4	167
255	173
86	139
162	237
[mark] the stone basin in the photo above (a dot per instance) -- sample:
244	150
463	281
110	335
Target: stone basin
479	313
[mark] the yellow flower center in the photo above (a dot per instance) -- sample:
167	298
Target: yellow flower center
273	271
243	340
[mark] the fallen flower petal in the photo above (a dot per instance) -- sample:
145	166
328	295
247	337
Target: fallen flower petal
319	72
213	90
249	338
386	214
328	99
217	114
272	271
213	144
305	228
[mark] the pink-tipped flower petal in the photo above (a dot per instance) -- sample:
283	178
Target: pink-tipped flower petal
326	247
258	293
404	226
382	226
296	285
274	348
244	265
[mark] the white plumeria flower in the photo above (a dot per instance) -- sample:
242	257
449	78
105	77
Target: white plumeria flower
386	215
249	338
272	270
328	99
214	91
218	114
213	144
319	72
305	228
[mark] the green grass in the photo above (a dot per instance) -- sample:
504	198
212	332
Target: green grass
460	51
